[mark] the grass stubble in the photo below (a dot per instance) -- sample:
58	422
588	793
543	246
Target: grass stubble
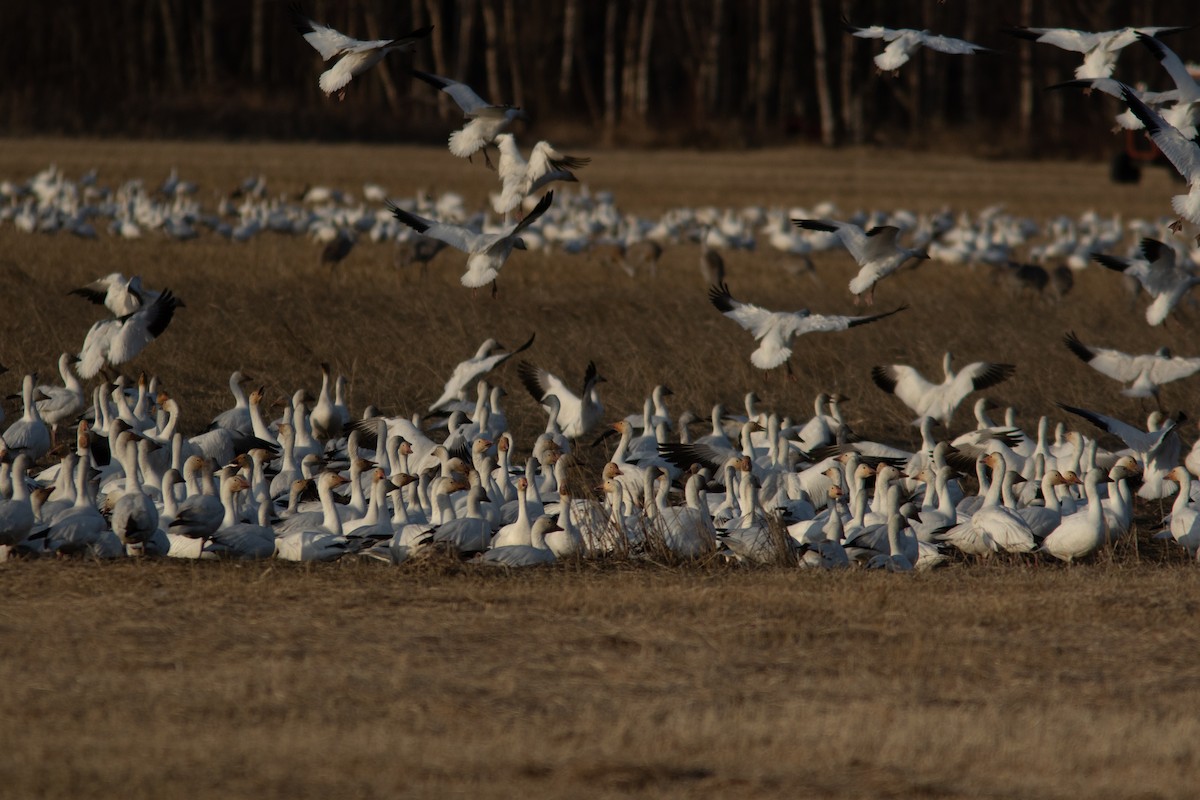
222	680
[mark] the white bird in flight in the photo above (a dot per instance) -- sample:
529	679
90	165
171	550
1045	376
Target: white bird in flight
1100	50
487	251
1158	273
485	121
356	57
775	329
1144	373
939	400
521	178
875	250
1182	152
113	342
903	42
490	355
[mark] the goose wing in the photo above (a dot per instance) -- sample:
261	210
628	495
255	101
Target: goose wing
981	375
1174	66
819	323
1064	38
456	236
904	382
1113	363
1182	152
948	44
466	98
1165	370
755	319
539	383
327	41
142	327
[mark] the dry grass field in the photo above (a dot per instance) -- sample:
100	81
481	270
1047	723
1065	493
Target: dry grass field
220	680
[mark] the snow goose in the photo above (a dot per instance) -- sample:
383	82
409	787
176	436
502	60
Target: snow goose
354	57
525	555
29	434
486	252
1083	532
134	515
120	295
903	42
1185	519
993	527
112	342
484	120
490	355
238	417
1158	273
16	513
63	403
1100	50
520	178
1144	373
895	560
776	329
1182	152
325	420
939	400
875	250
578	414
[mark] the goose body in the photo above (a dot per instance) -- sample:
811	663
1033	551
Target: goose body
939	401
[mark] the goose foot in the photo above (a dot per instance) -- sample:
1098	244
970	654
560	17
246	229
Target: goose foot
1176	226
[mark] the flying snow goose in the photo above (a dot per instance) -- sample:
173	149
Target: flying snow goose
490	355
487	251
1100	50
903	42
485	121
775	329
1158	450
356	57
578	414
1182	152
521	178
875	250
112	342
1159	274
939	400
118	294
1144	373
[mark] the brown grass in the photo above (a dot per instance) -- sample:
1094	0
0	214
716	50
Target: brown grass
151	680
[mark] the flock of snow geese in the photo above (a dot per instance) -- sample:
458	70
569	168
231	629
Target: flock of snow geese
108	474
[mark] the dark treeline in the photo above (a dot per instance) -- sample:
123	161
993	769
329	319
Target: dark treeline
701	72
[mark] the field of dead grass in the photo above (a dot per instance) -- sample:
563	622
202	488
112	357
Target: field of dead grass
145	680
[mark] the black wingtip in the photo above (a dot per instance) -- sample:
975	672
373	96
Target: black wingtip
1111	262
1077	347
299	19
1152	249
528	375
720	297
815	225
1021	33
411	220
883	379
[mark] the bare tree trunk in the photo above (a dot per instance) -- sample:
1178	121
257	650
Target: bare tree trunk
765	59
385	77
970	103
466	30
570	26
629	57
491	54
133	72
171	44
821	70
643	82
438	49
716	41
610	71
1026	71
514	52
257	48
785	100
852	121
208	39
